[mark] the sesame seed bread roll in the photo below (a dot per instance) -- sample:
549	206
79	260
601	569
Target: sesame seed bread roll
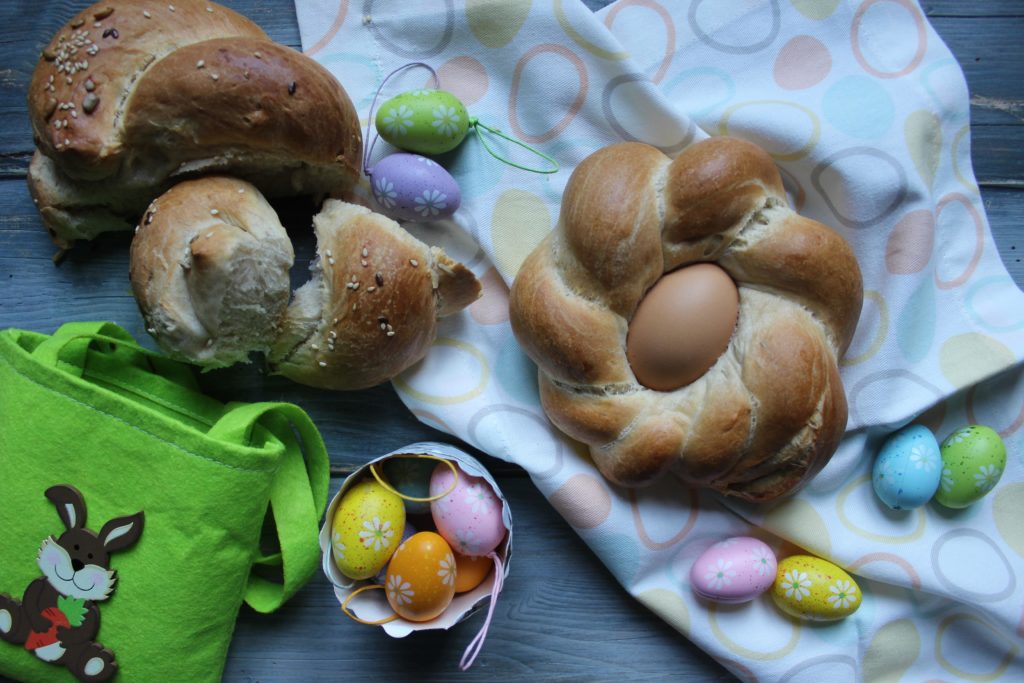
370	310
130	97
209	269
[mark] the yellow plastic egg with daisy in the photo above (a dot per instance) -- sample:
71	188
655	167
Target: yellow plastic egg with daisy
811	588
420	582
366	529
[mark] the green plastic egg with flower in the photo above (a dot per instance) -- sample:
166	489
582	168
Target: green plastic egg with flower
973	460
423	121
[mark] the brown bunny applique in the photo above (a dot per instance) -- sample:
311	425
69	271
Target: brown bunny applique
57	618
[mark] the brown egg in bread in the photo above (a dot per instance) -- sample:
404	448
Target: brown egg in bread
209	270
752	408
130	97
370	310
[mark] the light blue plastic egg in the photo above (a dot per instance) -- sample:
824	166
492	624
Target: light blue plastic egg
908	468
423	121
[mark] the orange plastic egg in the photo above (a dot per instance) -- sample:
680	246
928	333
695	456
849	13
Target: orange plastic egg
420	582
471	571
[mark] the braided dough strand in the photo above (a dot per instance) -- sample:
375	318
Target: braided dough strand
769	412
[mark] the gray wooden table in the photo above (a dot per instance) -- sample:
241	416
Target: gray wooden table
562	615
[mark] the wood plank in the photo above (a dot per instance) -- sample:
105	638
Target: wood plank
992	65
959	8
561	615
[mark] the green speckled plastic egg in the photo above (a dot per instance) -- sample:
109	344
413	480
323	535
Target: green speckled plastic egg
367	527
423	121
973	460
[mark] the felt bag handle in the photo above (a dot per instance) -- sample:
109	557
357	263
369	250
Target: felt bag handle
298	492
68	348
298	495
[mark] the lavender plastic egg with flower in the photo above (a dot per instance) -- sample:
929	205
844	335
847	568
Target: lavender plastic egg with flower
410	187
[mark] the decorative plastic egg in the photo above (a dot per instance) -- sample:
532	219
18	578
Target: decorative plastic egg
973	460
471	571
411	477
424	121
420	582
366	529
811	588
411	187
907	469
734	570
469	517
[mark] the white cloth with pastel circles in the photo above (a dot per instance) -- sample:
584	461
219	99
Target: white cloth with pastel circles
866	112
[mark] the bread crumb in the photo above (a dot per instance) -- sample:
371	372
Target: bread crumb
201	63
214	212
413	262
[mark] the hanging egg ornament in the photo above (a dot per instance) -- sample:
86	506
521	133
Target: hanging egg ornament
424	121
411	187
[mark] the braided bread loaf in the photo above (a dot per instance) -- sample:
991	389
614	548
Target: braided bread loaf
130	97
765	411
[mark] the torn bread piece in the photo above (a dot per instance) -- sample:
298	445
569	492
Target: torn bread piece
370	310
209	269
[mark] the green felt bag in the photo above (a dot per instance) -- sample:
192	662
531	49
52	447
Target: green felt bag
94	429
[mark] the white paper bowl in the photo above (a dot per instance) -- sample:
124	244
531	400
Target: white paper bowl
373	605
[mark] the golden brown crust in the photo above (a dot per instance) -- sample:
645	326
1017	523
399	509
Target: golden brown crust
372	309
209	270
151	96
771	410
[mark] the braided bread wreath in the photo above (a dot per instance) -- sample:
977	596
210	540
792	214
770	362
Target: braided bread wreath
684	318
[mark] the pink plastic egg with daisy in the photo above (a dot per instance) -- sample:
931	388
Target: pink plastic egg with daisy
735	570
469	516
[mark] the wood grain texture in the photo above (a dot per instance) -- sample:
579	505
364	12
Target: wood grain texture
562	616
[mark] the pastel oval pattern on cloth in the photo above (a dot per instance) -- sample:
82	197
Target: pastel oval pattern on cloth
909	247
539	66
668	605
811	588
465	77
626	103
495	24
884	20
583	500
923	134
973	460
796	134
519	222
859	107
735	570
638	19
798	521
970	357
517	374
883	178
802	62
893	649
987	577
907	469
702	90
1008	512
492	306
918	322
465	365
973	663
815	9
873	326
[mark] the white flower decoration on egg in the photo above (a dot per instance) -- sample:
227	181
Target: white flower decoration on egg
400	592
398	121
376	534
446	120
796	584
